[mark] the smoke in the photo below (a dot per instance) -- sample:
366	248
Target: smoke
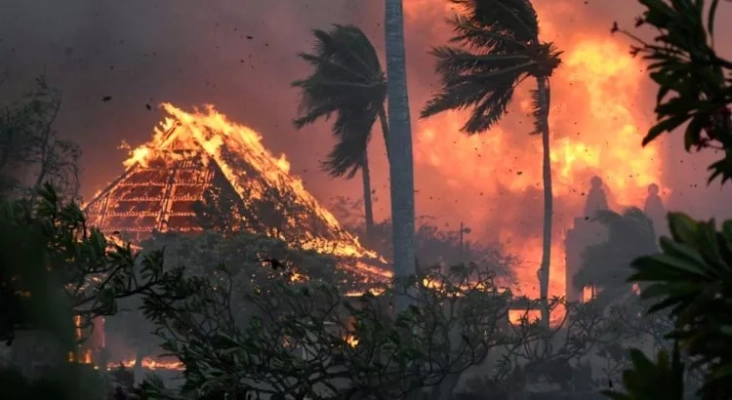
241	56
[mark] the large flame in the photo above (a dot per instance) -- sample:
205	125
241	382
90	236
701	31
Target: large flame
234	147
495	178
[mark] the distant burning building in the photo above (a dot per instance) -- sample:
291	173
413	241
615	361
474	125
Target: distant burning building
201	171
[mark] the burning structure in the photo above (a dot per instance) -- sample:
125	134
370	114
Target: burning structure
201	171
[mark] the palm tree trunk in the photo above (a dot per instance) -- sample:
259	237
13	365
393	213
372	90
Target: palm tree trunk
401	167
367	203
544	99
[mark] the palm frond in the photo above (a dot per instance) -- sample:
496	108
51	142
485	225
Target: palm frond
484	82
476	37
516	18
488	103
452	61
353	131
347	80
501	38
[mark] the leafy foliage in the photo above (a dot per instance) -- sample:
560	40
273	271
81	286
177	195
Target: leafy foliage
662	379
308	340
690	278
54	266
348	81
689	281
434	245
31	153
695	85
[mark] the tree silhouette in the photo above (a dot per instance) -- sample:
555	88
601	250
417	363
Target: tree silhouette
347	80
500	48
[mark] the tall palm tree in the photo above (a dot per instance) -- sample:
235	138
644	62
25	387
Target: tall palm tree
347	80
401	165
499	47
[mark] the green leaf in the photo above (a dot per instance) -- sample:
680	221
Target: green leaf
683	227
642	363
666	125
727	233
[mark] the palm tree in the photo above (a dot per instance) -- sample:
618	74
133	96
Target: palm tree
347	80
401	166
499	48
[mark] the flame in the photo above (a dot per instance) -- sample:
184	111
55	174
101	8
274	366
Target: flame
83	357
149	363
237	150
298	277
515	317
351	340
494	180
77	327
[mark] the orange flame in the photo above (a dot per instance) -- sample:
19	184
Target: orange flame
219	138
351	340
149	363
516	317
596	125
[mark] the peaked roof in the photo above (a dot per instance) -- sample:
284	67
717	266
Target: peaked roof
201	170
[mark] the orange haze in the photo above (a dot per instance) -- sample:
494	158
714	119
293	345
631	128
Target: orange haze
597	126
241	56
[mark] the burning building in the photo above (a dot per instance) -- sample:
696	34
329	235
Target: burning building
202	171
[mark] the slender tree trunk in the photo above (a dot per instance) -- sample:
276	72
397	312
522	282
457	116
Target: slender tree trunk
385	130
368	206
401	167
544	101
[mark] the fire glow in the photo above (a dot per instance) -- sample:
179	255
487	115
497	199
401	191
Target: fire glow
208	137
149	364
211	130
494	180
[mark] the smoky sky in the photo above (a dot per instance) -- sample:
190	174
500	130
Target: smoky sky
241	56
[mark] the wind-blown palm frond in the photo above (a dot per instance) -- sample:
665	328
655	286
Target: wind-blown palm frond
504	49
476	37
353	128
484	83
347	80
510	18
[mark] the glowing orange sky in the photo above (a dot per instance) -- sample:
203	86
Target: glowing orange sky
191	53
596	127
